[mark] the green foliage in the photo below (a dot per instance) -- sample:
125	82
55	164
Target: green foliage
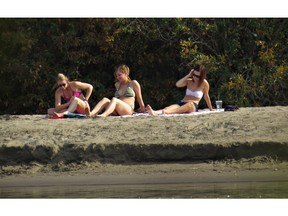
246	59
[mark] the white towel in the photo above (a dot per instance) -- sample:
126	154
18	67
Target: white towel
200	112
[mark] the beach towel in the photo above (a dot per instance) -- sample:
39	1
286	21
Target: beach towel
200	112
74	115
69	115
55	117
81	116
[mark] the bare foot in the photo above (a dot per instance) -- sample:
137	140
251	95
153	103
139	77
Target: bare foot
58	114
150	110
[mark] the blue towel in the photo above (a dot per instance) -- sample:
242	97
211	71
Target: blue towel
74	115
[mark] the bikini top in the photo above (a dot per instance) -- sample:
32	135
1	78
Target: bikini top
197	94
129	92
74	93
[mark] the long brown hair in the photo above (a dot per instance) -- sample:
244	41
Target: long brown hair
202	70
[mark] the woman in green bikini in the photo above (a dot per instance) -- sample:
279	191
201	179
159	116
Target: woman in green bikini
123	102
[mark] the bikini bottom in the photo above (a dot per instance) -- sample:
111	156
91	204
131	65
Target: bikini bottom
181	103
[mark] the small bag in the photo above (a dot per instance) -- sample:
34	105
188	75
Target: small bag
231	108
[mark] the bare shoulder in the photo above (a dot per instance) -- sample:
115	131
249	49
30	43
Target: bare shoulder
75	83
205	82
205	85
134	82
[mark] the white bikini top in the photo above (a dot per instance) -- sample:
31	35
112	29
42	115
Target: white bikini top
197	94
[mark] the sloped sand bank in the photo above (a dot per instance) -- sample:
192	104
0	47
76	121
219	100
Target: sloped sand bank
244	134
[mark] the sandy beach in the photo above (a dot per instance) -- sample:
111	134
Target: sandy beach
122	150
36	141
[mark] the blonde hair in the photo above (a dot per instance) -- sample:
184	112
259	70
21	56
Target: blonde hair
60	77
123	69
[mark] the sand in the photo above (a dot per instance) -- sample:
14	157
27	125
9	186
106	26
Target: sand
249	138
237	154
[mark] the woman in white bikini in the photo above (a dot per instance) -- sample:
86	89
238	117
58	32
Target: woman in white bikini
71	92
196	85
123	101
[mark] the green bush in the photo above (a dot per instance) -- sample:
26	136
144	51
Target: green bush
246	59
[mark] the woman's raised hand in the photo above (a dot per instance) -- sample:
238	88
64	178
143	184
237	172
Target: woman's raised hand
191	73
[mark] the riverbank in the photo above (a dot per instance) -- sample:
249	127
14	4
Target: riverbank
35	143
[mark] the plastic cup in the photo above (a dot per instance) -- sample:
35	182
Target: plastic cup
219	104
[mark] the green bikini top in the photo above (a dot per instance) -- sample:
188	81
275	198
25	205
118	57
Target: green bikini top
129	92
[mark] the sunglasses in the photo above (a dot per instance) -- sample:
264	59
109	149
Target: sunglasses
61	85
198	76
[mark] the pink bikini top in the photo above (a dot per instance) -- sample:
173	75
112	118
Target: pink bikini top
74	93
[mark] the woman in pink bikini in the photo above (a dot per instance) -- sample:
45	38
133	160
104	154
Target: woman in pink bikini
196	85
71	92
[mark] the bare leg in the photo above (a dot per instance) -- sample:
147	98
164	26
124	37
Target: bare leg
153	112
186	108
52	111
161	111
98	108
119	106
72	107
81	106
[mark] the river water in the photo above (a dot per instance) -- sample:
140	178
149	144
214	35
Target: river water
205	190
147	186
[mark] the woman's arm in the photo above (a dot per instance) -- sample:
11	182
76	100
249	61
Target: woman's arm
84	86
206	95
183	82
58	105
137	89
